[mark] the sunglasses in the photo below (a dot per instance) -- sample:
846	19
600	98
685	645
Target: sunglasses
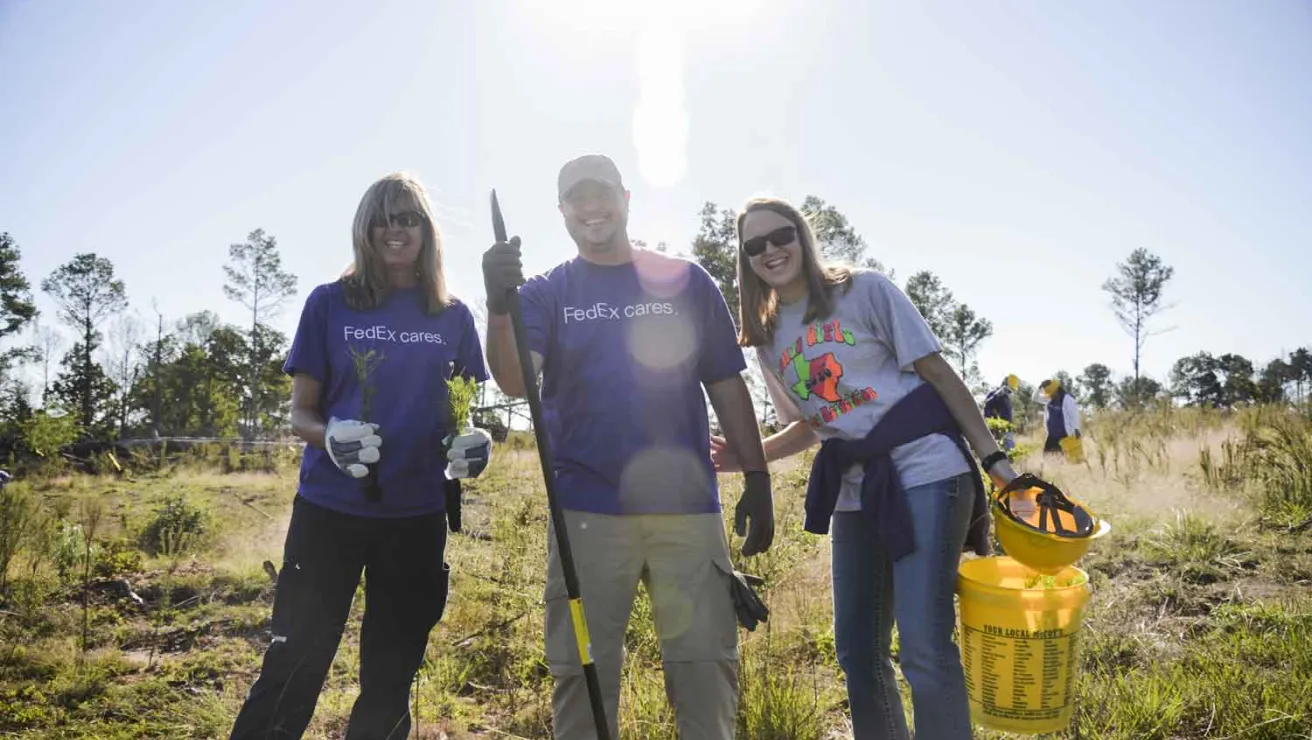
780	237
404	219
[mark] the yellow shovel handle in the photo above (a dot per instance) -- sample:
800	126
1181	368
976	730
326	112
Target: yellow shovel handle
581	631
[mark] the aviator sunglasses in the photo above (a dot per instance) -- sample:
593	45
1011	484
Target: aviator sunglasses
780	237
404	219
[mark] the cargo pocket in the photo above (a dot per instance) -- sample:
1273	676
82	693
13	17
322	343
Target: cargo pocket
442	591
289	602
428	596
710	632
729	638
305	614
560	647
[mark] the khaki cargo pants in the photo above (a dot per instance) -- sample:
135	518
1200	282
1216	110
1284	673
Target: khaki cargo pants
684	562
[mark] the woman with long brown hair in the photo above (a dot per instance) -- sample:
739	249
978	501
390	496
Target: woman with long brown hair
848	360
370	363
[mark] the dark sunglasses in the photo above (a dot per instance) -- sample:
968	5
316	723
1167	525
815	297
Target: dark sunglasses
404	219
780	237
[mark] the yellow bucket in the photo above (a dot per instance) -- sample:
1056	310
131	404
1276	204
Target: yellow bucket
1019	643
1073	447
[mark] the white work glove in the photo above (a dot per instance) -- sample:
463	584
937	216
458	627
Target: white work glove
352	445
467	454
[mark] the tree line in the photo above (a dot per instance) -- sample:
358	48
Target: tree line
1136	294
195	376
121	377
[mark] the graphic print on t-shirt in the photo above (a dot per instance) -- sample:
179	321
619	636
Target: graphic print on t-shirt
821	376
388	366
627	350
385	333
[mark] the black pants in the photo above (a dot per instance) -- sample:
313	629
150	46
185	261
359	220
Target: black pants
1052	444
405	593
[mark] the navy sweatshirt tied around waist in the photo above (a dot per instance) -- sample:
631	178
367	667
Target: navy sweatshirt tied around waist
883	499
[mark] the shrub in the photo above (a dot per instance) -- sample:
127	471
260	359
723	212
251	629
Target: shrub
176	526
69	549
117	558
1282	462
16	516
45	434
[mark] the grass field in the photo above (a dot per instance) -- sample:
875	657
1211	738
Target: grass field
1200	625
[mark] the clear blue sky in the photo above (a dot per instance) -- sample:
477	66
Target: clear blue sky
1017	149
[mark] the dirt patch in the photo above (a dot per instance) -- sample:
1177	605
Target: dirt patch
183	639
179	597
1251	589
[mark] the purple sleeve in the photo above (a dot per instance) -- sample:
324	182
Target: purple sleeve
309	353
469	354
720	356
535	303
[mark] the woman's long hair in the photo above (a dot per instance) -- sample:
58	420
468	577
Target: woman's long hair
366	279
758	303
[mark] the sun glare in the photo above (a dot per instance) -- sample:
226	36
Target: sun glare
661	122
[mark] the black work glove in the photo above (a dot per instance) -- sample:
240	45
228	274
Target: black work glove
758	505
503	271
453	504
751	610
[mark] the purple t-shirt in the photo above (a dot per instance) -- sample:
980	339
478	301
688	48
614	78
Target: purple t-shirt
415	354
626	350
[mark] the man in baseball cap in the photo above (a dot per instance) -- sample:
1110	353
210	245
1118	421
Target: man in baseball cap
626	340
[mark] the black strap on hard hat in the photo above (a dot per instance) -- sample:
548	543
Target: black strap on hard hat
1049	502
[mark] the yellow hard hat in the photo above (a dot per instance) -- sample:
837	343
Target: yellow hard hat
1056	535
1013	382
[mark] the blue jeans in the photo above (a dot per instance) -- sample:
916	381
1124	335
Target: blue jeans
870	590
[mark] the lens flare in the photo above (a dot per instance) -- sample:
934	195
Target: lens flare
662	277
664	344
661	123
660	477
660	118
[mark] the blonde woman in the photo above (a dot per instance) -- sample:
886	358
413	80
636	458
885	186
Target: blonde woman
849	361
369	363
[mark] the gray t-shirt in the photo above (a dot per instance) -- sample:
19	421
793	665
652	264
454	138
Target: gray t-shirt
842	373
